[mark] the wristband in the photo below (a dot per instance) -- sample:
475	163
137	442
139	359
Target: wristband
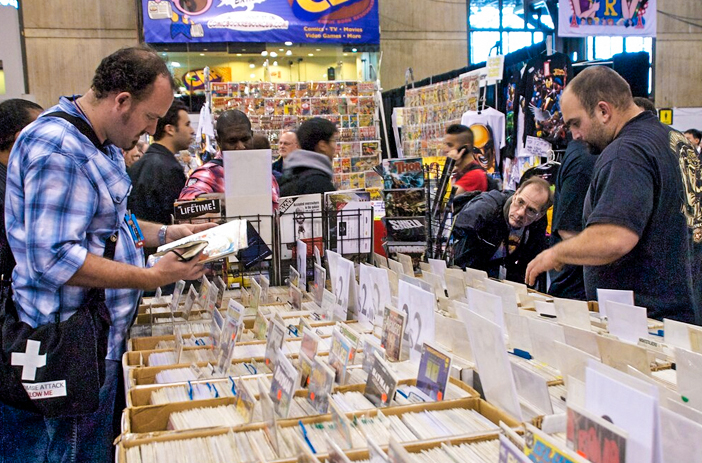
162	235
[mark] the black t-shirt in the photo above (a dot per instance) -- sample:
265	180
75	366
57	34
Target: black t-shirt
541	89
638	183
572	184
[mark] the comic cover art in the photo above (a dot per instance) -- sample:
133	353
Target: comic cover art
403	173
406	229
405	203
363	164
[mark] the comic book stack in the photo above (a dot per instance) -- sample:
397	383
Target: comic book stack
431	109
276	107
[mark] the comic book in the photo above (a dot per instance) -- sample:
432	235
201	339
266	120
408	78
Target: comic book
406	229
403	173
393	329
434	372
593	437
405	203
381	384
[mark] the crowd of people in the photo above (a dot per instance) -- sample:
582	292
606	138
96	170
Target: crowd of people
627	217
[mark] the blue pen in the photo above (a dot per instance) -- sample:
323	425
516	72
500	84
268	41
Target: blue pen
307	439
521	353
233	385
190	390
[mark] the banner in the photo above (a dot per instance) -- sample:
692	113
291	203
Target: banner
273	21
582	18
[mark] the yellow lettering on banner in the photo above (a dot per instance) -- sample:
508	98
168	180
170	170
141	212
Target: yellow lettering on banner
337	2
609	6
314	6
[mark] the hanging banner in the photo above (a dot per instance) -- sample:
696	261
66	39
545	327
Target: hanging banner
273	21
581	18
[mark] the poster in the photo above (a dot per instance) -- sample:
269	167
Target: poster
299	21
582	18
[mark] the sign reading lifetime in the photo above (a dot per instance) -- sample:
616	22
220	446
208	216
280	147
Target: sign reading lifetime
299	21
581	18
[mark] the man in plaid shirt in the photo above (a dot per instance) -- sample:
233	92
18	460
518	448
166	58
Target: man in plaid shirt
65	197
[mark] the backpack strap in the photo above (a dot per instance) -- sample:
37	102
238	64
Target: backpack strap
82	126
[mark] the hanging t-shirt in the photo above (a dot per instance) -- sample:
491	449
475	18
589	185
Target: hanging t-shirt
641	181
513	76
541	88
488	128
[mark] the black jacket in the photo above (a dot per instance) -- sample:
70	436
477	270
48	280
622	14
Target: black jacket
157	179
306	172
481	227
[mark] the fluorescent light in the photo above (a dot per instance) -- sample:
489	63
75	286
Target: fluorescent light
252	65
202	54
281	49
288	53
310	54
275	63
354	50
264	53
288	44
238	54
253	76
319	49
274	54
175	64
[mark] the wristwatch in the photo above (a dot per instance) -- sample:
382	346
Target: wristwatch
162	235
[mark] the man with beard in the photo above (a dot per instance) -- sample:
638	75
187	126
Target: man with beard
637	215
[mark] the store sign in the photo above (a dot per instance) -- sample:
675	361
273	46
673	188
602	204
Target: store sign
299	21
191	209
582	18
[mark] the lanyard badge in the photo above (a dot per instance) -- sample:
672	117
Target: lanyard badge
134	229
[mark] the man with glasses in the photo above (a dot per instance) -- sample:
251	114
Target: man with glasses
501	232
287	143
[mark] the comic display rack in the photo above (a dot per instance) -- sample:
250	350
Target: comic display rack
429	110
351	105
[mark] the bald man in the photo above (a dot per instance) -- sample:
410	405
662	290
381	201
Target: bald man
642	206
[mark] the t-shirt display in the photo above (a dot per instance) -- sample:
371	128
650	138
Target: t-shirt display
488	127
638	183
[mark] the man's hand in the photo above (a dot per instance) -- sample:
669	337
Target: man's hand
176	232
456	155
541	263
170	269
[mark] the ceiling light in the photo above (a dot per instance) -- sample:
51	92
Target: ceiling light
319	49
253	76
346	54
275	63
310	54
288	53
264	53
274	54
163	54
238	54
354	50
202	54
288	44
252	65
281	49
175	64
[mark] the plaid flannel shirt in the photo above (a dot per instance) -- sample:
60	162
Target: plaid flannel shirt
64	199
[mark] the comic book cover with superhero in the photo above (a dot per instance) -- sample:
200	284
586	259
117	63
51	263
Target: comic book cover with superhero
403	173
405	203
406	229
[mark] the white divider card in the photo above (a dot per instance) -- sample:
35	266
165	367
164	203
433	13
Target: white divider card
329	305
293	279
543	334
158	295
265	286
375	453
344	289
189	301
436	283
177	293
178	343
545	308
475	277
245	297
255	294
394	280
620	355
416	282
216	327
317	256
453	336
486	305
506	292
343	426
283	384
274	340
455	287
521	289
627	322
572	313
572	361
682	439
434	372
320	278
407	264
204	293
420	307
295	298
689	375
677	333
518	332
509	453
380	260
381	384
584	340
332	259
532	389
614	295
676	406
374	294
630	404
396	267
270	425
245	399
488	346
301	253
221	288
438	266
225	351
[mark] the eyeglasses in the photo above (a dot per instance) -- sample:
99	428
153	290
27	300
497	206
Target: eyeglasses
529	211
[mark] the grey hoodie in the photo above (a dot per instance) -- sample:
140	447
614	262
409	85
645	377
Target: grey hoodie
310	160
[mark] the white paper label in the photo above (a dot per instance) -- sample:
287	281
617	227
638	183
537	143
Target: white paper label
48	390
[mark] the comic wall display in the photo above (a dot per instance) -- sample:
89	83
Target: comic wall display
405	203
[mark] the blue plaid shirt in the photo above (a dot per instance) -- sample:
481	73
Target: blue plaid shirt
64	199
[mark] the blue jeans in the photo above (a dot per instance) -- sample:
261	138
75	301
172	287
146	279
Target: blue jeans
29	437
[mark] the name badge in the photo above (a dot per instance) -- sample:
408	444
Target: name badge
135	230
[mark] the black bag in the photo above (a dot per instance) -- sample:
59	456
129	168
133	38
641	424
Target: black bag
55	369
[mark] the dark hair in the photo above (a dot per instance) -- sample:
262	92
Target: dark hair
313	131
544	185
458	129
132	69
645	104
261	142
232	117
600	83
171	118
14	116
695	133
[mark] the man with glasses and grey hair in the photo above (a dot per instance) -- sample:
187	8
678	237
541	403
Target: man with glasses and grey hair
501	232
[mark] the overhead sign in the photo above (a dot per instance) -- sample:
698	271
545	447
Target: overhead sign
299	21
581	18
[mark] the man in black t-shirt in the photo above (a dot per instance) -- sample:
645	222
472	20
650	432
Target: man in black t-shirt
572	184
641	208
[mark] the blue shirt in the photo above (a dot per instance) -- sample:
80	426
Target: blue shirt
64	199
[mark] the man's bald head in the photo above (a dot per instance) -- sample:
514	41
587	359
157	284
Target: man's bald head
600	83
